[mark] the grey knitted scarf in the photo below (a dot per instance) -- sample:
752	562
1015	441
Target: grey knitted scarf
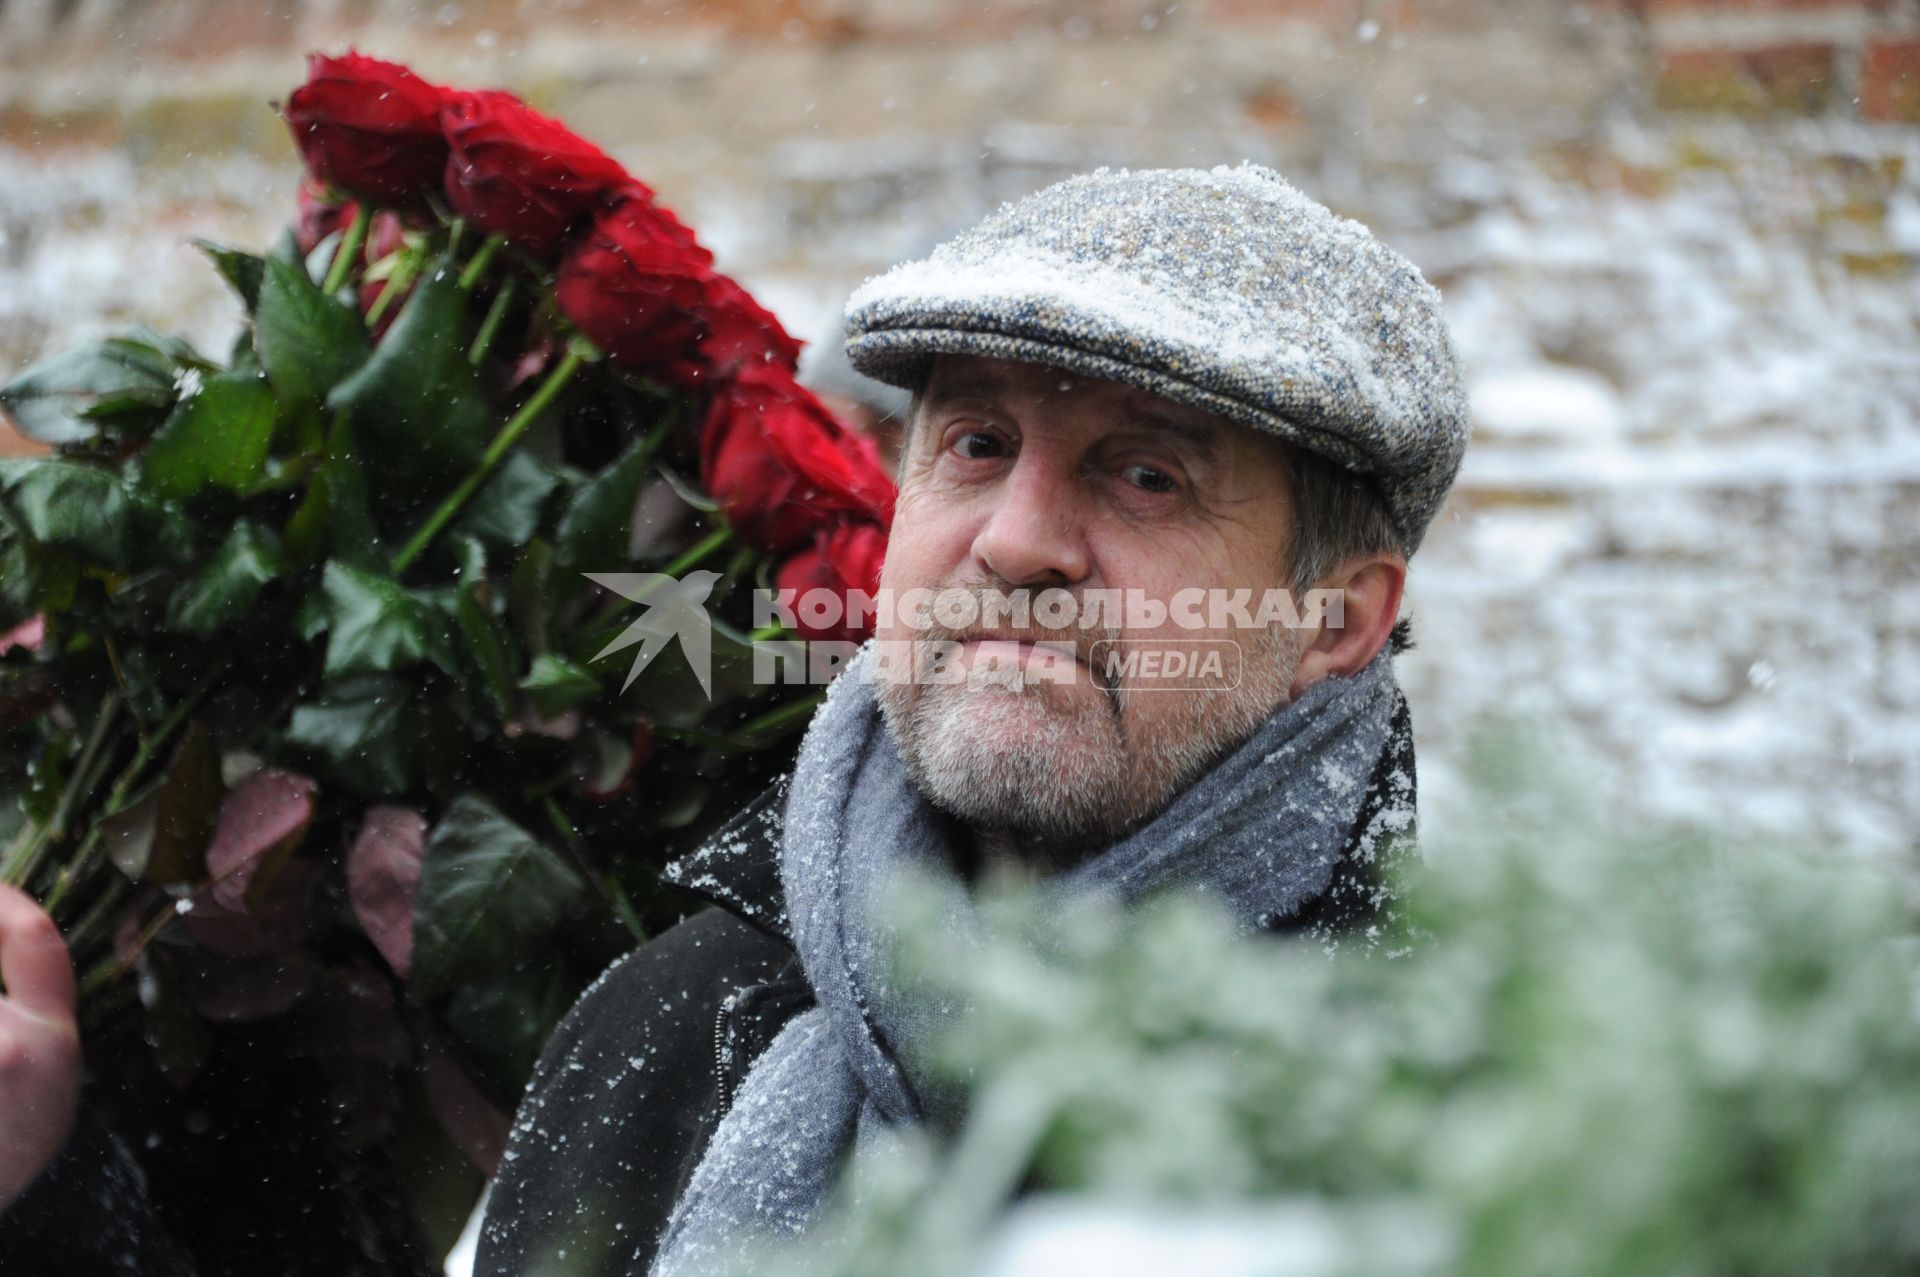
1263	829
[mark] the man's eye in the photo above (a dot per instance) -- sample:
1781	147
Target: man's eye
977	443
1151	479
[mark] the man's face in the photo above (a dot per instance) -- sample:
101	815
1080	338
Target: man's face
1020	477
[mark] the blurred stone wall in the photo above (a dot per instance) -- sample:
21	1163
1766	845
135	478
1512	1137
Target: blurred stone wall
816	141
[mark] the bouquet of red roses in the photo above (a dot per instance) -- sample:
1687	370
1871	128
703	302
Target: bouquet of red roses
307	743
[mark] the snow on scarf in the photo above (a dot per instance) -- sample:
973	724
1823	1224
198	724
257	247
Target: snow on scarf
1263	829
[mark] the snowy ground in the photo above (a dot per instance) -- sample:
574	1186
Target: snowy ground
1686	535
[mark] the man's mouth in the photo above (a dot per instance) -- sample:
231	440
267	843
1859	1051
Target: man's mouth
1022	648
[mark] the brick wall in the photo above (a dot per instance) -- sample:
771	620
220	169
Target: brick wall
1781	56
1745	56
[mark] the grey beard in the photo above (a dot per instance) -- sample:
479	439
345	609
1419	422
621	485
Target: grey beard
1020	789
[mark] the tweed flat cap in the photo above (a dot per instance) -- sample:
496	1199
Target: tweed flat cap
1226	289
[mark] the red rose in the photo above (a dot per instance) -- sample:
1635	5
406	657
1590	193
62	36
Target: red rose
632	285
641	288
781	466
740	332
512	171
369	127
844	556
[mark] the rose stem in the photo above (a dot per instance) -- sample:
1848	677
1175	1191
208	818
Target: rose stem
348	250
84	859
23	857
397	283
496	452
482	258
779	717
751	734
490	326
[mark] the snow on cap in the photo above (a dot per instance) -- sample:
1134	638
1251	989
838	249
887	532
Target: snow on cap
1226	289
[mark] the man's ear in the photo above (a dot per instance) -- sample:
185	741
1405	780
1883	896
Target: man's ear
1370	587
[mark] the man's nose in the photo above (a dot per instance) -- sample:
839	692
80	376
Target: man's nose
1035	533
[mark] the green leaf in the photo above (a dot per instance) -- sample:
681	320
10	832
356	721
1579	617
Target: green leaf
506	511
336	515
188	804
556	685
310	618
308	342
176	351
486	644
490	892
34	578
472	555
146	692
216	438
244	271
225	590
92	513
286	247
55	401
418	397
597	528
364	732
530	595
487	648
375	625
504	1020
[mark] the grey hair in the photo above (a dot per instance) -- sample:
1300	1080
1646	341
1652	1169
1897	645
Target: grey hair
1338	514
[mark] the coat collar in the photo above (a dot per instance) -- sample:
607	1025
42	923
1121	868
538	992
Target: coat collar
738	868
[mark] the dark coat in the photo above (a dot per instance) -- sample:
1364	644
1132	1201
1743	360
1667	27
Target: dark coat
633	1082
630	1087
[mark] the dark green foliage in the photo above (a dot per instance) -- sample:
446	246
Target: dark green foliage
214	552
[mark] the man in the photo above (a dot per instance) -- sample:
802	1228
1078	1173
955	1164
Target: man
1184	390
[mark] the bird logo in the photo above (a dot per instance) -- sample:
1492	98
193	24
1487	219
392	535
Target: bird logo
676	608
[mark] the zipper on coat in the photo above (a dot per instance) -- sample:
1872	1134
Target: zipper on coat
720	1052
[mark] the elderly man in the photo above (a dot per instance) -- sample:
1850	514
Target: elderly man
1161	398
